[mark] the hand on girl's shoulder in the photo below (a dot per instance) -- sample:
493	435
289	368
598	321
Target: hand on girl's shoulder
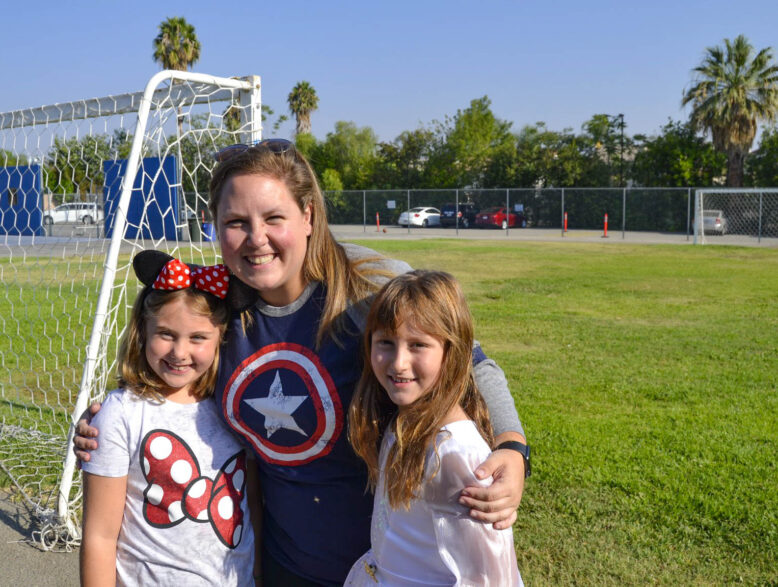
460	451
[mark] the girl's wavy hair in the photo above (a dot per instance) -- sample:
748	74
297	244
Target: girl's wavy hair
432	302
134	371
325	260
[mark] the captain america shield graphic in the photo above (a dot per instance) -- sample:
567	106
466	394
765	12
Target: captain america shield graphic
284	402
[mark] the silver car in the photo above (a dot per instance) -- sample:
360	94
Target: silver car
421	216
714	222
83	212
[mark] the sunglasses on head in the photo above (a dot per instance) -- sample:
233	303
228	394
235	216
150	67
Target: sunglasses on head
277	146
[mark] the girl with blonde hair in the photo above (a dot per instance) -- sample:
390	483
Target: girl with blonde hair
169	479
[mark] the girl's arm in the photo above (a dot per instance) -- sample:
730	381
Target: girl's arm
102	519
475	553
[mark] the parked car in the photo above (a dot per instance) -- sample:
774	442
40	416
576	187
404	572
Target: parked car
466	213
84	212
714	222
496	216
421	216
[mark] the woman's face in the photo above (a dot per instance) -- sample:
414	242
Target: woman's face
264	236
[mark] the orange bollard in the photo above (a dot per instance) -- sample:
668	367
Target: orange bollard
565	221
605	230
377	223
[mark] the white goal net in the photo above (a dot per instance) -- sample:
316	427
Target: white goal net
736	215
83	186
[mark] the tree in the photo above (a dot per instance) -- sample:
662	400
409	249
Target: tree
302	101
402	163
232	122
733	90
762	165
176	46
677	157
466	144
75	166
351	151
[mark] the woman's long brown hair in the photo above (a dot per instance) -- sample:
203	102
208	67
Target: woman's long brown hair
432	302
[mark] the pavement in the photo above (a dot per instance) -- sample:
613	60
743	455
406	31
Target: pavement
23	563
349	232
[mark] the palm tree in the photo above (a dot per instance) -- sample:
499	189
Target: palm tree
176	46
733	89
302	101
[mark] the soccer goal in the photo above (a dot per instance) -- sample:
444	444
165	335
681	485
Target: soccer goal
83	186
738	215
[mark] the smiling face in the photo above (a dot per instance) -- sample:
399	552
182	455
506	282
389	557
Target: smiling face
264	236
180	346
406	363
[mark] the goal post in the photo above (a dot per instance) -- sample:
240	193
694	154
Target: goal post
135	167
739	215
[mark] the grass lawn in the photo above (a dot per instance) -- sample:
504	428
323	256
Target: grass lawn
645	377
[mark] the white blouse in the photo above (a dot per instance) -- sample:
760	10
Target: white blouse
436	542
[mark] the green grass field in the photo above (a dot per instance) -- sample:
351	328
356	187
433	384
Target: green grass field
645	377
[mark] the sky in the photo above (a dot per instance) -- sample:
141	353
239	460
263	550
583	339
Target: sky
393	66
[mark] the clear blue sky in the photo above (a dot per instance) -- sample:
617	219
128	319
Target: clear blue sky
393	65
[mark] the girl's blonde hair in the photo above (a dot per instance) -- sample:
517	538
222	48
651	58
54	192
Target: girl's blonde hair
325	260
432	302
135	373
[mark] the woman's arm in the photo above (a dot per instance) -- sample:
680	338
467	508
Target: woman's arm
84	438
497	503
255	501
103	511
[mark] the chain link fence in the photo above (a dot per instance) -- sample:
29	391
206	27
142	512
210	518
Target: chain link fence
750	212
628	209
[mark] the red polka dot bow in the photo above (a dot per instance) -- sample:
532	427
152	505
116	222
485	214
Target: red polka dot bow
176	490
176	274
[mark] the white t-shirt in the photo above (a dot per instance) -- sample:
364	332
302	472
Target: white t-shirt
186	519
436	542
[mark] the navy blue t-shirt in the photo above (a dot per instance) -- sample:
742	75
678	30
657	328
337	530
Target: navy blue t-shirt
290	402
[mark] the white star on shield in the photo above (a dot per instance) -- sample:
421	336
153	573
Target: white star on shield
278	408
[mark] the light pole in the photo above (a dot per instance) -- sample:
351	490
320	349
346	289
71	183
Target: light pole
620	118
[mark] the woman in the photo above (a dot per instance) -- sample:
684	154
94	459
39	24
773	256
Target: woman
290	364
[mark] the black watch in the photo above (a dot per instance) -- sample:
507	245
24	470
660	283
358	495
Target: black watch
521	448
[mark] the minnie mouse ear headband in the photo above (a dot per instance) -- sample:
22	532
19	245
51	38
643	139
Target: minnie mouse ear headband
160	271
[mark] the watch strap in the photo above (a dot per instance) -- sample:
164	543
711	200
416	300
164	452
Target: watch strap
520	448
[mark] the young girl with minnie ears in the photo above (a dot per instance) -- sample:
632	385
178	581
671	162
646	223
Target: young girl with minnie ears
417	399
165	493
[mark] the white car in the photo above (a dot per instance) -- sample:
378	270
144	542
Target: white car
421	216
714	222
83	212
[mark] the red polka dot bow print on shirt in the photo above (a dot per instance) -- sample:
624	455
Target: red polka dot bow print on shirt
177	490
176	274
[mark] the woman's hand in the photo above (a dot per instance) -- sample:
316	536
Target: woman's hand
84	439
497	503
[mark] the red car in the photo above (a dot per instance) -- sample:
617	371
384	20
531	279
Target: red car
492	217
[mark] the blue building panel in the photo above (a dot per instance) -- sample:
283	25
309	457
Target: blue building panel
20	200
153	208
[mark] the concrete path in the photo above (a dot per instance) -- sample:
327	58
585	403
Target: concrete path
22	563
